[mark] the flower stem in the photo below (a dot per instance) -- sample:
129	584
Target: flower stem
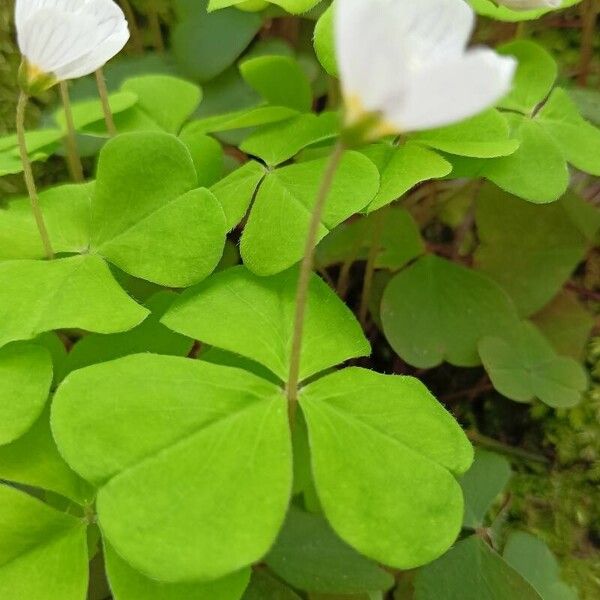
103	93
28	176
304	279
371	263
73	160
154	18
136	38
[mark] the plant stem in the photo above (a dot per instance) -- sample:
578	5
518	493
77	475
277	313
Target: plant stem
136	39
73	160
589	14
304	278
103	93
28	176
157	38
371	263
492	444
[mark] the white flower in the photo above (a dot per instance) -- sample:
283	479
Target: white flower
529	4
65	39
404	65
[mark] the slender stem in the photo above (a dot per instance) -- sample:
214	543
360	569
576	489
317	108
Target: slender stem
304	278
157	38
492	444
589	14
103	93
73	160
28	176
136	39
371	263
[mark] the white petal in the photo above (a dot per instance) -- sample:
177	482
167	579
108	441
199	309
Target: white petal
24	9
112	34
451	92
51	38
530	4
380	41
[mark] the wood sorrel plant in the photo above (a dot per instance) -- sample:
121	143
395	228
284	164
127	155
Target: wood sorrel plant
182	413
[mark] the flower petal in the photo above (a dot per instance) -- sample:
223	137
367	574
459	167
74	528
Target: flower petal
112	35
449	92
24	9
51	38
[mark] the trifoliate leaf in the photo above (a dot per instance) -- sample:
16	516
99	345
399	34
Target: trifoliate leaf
207	155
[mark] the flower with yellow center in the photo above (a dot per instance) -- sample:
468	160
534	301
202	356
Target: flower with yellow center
404	65
66	39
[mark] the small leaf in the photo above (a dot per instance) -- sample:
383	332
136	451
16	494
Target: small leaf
264	587
537	171
207	155
275	235
128	584
470	567
577	139
235	192
278	142
535	75
486	135
144	221
383	457
77	292
206	44
43	553
324	42
532	558
66	210
482	484
401	168
526	367
25	378
437	310
157	432
280	80
168	101
529	250
253	316
310	557
239	119
489	8
33	460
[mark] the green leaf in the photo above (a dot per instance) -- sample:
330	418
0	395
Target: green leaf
482	484
40	144
489	8
43	553
278	142
239	119
128	584
324	42
149	336
77	292
310	557
400	241
157	432
206	44
66	210
144	221
437	310
236	191
25	379
295	7
537	171
466	571
275	235
253	316
207	155
566	324
535	562
578	139
529	250
534	78
525	367
401	168
168	101
264	587
88	112
485	135
383	456
280	80
34	460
